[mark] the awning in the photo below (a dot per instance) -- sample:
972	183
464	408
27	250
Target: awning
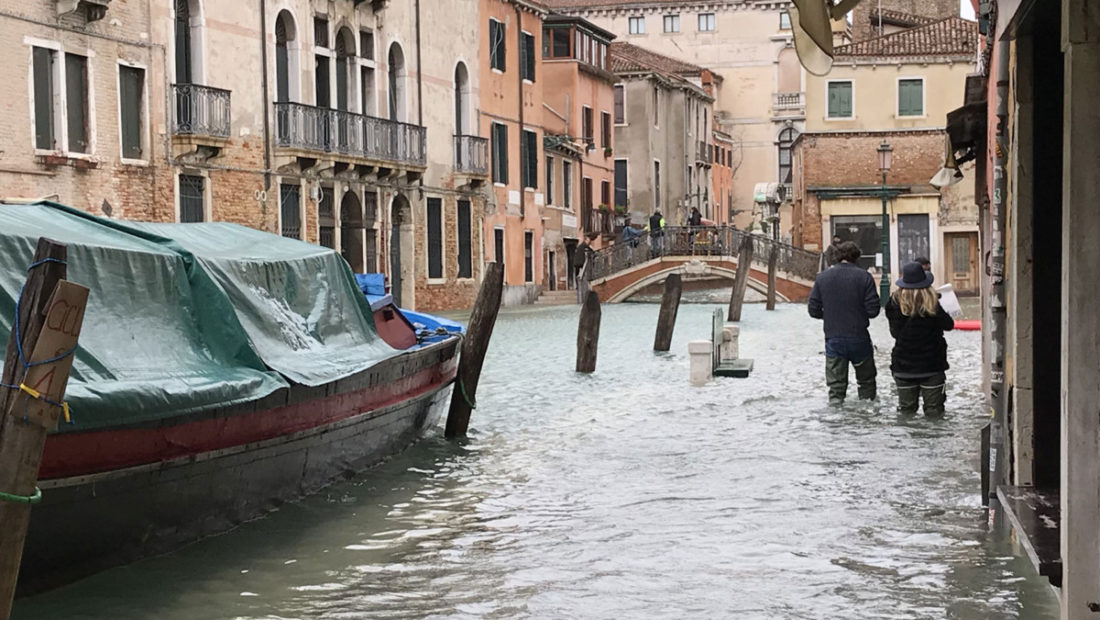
811	24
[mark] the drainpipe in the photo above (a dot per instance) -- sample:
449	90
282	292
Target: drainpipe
998	392
266	106
519	78
419	86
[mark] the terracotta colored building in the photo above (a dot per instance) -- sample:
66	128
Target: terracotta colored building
579	164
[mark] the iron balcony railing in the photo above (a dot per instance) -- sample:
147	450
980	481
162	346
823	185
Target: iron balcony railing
705	153
337	131
472	155
702	241
201	111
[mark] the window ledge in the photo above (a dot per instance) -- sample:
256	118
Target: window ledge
497	71
57	158
133	162
437	281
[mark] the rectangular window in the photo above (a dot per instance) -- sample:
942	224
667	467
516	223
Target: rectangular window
497	47
500	153
637	25
192	198
784	21
555	43
527	56
605	127
911	97
913	237
529	156
366	44
605	193
435	238
706	22
528	256
586	200
587	130
44	89
620	104
840	100
620	183
672	23
657	184
465	240
656	106
76	102
289	211
550	181
567	184
132	102
320	32
498	245
326	222
366	91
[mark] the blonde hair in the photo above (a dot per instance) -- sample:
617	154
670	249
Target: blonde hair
917	300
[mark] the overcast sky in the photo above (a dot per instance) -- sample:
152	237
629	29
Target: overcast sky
967	10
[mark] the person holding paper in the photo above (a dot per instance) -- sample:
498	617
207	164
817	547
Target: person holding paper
919	359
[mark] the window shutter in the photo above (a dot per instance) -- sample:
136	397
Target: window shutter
76	86
465	256
131	93
435	238
43	98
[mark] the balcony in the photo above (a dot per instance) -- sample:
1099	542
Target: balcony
323	130
472	155
789	104
704	153
201	111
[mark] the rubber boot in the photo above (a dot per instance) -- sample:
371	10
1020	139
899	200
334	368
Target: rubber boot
836	377
908	396
865	379
934	393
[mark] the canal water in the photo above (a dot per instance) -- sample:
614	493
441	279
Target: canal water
627	494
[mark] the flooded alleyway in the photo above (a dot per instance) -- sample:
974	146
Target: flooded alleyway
627	494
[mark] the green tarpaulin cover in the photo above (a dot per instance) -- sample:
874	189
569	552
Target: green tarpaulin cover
186	317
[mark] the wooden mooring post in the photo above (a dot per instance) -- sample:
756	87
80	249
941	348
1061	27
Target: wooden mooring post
670	305
773	264
588	333
474	346
48	321
741	280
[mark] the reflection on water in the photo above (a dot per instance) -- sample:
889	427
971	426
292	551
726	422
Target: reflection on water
627	494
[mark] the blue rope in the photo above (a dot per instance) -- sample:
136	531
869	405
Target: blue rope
27	365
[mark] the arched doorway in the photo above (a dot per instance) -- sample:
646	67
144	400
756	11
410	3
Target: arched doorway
395	62
188	41
462	100
401	246
351	231
345	65
786	143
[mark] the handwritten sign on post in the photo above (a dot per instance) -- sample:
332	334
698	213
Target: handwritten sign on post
60	332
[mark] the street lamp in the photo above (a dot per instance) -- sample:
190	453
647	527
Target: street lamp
885	156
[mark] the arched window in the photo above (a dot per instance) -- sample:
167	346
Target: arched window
286	56
462	100
345	67
395	61
786	141
351	231
789	78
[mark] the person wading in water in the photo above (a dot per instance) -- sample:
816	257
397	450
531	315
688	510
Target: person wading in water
844	296
919	359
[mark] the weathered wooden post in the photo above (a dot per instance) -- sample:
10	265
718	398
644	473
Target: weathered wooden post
588	333
670	305
474	346
741	280
773	264
36	371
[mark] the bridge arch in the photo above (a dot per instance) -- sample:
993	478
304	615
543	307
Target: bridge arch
720	271
624	284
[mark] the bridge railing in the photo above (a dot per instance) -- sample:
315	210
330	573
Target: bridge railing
724	241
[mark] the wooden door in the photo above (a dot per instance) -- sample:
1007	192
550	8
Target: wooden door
961	262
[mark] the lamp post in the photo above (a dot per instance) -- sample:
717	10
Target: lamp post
885	155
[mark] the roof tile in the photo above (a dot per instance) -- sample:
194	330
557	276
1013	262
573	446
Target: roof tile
952	36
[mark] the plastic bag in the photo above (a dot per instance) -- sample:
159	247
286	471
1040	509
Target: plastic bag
949	301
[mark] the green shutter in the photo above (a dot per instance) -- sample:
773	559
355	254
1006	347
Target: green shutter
840	100
911	98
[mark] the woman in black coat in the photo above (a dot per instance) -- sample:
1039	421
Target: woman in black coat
919	359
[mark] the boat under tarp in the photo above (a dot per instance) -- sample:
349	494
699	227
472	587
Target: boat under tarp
221	371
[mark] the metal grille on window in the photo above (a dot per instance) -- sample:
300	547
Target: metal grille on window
289	211
192	198
326	218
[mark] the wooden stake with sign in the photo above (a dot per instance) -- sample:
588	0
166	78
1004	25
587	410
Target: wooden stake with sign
51	314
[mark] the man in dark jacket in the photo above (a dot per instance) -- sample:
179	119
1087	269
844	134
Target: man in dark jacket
844	296
831	252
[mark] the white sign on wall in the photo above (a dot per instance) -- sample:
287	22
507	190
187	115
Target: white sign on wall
568	221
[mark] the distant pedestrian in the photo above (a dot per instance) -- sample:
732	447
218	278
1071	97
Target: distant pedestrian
695	218
924	263
582	254
844	296
831	252
919	360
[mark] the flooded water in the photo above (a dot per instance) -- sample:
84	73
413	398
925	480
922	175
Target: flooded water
627	494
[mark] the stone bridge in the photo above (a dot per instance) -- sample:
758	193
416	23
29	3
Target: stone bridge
622	270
